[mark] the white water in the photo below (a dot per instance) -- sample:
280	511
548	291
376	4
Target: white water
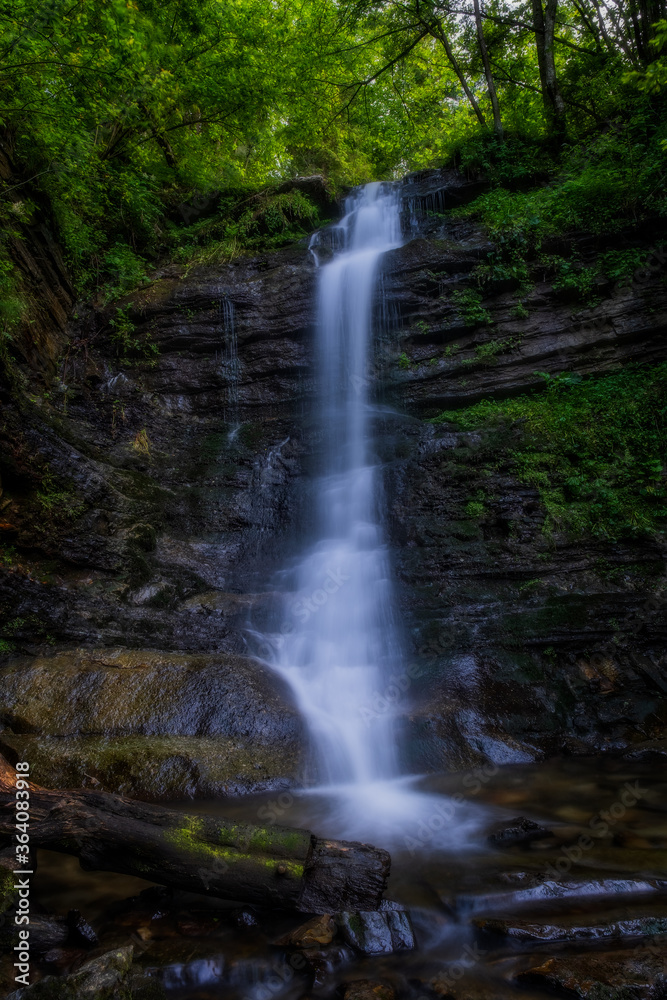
338	646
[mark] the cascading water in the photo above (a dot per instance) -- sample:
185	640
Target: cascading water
338	646
343	644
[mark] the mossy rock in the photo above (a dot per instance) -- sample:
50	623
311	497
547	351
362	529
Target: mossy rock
124	692
158	767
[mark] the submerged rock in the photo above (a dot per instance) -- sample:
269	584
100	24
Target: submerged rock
368	989
316	932
638	974
99	979
518	831
575	929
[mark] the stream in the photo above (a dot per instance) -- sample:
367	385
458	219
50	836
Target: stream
483	914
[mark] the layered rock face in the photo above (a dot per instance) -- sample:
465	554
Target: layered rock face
152	491
148	495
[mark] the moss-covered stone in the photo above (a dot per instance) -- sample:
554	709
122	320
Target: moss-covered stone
161	767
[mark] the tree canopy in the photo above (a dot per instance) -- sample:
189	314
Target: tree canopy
118	111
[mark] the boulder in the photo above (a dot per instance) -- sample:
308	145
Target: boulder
151	724
377	933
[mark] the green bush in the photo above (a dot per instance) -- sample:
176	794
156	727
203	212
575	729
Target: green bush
468	303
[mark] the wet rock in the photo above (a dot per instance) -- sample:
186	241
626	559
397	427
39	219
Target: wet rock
80	931
99	979
245	918
324	963
518	831
318	931
151	723
117	692
532	889
368	989
377	933
47	932
638	974
573	929
168	767
64	960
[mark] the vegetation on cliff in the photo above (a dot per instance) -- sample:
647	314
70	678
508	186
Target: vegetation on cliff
129	119
136	131
594	448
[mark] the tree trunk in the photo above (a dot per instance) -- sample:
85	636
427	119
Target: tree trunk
272	865
544	20
439	32
490	82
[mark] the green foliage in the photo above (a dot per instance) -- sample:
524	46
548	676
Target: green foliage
125	269
620	265
404	362
468	303
488	352
652	79
125	341
270	220
596	449
475	508
504	267
573	278
58	497
599	187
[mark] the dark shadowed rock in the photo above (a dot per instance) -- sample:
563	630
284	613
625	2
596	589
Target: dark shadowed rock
99	979
518	831
368	989
636	974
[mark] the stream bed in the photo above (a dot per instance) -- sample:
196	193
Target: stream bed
571	900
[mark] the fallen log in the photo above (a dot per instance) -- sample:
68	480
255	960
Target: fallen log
271	865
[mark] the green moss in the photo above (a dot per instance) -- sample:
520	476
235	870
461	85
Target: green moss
190	838
595	449
7	891
57	496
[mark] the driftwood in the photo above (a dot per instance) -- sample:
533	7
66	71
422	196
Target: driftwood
271	865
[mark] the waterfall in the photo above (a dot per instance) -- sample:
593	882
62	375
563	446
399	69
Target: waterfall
339	647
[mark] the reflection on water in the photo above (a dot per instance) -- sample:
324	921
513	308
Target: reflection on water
482	912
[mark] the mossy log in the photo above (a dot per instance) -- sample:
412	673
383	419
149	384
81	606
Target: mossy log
271	865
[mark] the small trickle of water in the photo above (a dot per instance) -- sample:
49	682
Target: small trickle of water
228	357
